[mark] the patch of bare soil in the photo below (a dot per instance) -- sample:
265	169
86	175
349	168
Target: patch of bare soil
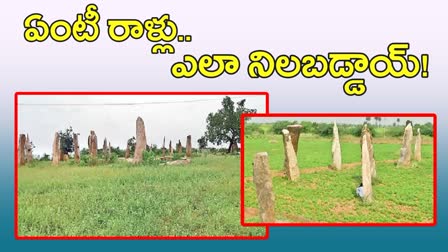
250	212
344	208
400	208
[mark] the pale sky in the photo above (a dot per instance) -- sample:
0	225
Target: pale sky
114	116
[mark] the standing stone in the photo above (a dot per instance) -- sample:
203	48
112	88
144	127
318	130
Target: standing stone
127	154
188	148
294	132
234	147
109	151
93	144
22	142
405	151
366	172
141	143
291	167
56	149
263	187
61	153
163	147
171	149
105	150
336	149
179	147
372	164
76	147
28	150
418	146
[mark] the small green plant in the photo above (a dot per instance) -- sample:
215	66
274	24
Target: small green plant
149	158
86	160
113	158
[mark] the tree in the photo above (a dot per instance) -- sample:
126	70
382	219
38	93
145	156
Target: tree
131	143
202	142
368	118
45	157
224	125
66	137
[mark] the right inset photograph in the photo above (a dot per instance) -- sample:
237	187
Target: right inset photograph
339	169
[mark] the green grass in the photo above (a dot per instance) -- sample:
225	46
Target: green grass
400	194
315	151
125	200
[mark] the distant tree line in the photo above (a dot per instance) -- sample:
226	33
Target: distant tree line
326	129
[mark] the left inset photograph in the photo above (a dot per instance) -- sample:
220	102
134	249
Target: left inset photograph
108	165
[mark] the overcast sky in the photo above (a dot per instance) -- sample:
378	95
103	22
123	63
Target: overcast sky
114	116
352	120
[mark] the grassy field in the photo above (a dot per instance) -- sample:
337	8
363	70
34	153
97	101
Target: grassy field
324	195
125	200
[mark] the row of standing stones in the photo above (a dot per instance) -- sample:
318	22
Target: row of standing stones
262	175
25	150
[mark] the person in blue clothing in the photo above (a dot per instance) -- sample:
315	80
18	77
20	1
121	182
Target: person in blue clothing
360	191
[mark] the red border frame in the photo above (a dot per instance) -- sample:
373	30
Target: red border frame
433	115
16	177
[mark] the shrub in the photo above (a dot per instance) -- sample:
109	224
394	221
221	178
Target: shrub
356	131
325	129
86	160
113	158
149	158
425	129
253	129
278	126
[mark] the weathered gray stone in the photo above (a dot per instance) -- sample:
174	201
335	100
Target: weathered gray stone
290	164
171	149
294	132
140	146
366	172
163	148
76	147
405	151
56	149
188	147
418	147
263	186
21	150
336	149
105	150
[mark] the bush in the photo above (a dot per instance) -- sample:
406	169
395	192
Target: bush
86	160
253	129
356	131
277	127
425	129
149	158
113	158
325	129
309	127
396	131
45	157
